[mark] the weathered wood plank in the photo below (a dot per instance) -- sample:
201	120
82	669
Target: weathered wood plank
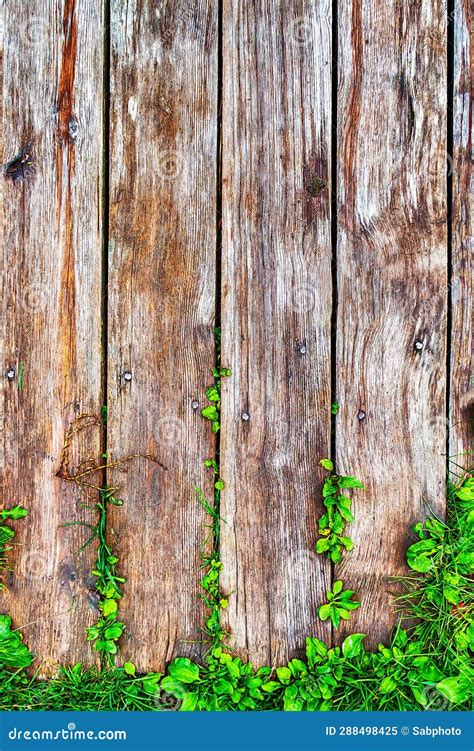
276	310
462	378
392	283
50	324
161	309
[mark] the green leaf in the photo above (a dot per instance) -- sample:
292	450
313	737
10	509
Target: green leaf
291	701
182	669
6	533
431	674
349	482
221	686
212	394
13	653
284	675
271	686
337	587
400	639
327	464
451	594
347	542
210	412
113	632
189	702
420	696
315	648
297	667
168	684
455	689
388	685
324	611
92	633
233	668
465	493
352	645
422	564
351	605
129	668
329	488
16	512
322	545
108	607
347	515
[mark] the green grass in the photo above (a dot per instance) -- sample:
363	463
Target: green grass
7	535
425	666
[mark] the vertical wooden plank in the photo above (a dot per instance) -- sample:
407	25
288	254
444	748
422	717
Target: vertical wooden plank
50	323
462	376
392	283
161	309
276	310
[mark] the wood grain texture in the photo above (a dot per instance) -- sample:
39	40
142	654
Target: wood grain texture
462	375
276	310
161	310
392	283
50	323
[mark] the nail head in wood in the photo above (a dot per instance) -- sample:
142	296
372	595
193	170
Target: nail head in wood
361	415
73	128
245	416
195	404
10	374
127	376
418	345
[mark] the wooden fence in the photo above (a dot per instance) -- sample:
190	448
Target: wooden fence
275	167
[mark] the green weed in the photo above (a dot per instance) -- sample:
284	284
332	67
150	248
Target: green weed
108	629
332	523
425	666
339	604
213	600
6	536
13	653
